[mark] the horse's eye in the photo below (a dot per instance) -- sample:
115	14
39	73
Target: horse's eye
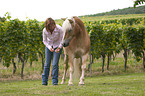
69	31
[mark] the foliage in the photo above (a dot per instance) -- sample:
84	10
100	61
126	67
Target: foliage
130	21
108	37
2	19
20	37
138	2
135	37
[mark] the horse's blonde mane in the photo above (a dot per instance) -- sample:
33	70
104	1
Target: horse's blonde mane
67	25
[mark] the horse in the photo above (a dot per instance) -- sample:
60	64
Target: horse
76	44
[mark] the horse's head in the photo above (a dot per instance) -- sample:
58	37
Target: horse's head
68	28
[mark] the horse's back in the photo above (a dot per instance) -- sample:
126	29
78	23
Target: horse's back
79	22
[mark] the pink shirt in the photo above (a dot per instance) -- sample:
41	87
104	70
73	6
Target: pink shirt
53	40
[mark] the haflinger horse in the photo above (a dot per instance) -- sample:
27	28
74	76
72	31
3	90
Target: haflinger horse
76	44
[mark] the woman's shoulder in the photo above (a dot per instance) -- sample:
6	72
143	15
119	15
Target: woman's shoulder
44	30
58	26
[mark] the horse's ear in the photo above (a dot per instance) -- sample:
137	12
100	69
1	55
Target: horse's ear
63	19
71	21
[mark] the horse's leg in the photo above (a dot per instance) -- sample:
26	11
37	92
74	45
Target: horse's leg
65	69
71	72
83	67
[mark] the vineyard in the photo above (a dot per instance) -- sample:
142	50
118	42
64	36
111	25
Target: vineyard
110	38
23	40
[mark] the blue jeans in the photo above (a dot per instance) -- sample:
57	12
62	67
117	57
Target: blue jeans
55	69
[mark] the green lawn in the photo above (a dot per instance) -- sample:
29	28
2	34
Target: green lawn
114	85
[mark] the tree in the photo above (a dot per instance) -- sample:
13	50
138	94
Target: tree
138	2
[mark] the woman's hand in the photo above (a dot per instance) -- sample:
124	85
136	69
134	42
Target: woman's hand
57	50
51	49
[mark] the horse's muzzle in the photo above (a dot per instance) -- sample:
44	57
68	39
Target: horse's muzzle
65	43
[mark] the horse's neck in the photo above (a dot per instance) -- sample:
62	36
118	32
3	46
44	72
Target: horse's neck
80	32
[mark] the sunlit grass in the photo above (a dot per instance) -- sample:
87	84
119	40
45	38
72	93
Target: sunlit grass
120	85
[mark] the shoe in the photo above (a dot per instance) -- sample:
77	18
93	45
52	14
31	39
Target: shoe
45	84
55	84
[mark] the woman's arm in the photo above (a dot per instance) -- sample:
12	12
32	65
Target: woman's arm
45	40
61	38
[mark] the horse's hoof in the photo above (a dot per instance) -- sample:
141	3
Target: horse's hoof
62	82
81	84
71	84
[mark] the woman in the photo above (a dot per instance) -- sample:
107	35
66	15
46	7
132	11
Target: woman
52	37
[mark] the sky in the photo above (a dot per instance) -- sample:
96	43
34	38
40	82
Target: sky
42	9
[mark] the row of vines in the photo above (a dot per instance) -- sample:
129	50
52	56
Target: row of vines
24	39
129	21
111	39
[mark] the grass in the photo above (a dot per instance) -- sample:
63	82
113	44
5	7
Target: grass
121	85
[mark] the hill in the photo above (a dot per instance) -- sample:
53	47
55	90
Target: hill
129	10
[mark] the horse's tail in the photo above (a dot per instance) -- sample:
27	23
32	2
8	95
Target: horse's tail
77	68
